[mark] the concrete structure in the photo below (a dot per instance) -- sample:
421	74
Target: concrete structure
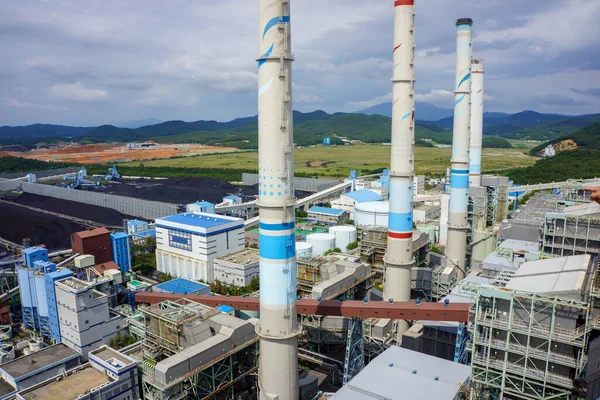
456	249
237	268
278	329
321	243
326	215
398	257
444	211
372	213
530	338
337	276
418	184
32	369
136	226
86	322
95	242
399	373
201	206
348	201
53	319
344	235
121	253
186	244
182	286
476	141
108	375
426	213
510	254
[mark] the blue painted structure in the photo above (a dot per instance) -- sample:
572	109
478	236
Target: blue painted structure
28	297
326	210
201	206
182	286
121	251
364	195
42	267
326	141
50	278
33	254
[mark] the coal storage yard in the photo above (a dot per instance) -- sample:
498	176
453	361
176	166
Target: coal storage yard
17	223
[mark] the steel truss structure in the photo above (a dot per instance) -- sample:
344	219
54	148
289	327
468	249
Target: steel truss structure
566	235
519	349
354	361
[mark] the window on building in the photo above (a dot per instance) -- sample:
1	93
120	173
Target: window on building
180	239
87	321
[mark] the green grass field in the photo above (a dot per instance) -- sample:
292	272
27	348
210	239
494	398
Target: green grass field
340	160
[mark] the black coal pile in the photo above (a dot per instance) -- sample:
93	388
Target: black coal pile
17	223
180	190
90	212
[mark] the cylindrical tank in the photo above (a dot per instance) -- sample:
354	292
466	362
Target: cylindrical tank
485	244
372	213
7	352
344	235
5	332
303	249
321	242
431	230
35	344
40	291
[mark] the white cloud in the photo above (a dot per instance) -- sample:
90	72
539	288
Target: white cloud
435	96
18	104
78	92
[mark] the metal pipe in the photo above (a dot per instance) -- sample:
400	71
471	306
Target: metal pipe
456	247
476	123
279	328
398	257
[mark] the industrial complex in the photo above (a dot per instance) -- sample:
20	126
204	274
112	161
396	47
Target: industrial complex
384	286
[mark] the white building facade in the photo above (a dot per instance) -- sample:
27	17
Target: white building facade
186	244
237	268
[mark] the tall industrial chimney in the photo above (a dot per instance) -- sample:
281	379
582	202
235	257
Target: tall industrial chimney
399	258
476	123
278	329
456	247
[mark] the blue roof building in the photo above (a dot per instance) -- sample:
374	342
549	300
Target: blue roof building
201	206
326	215
364	195
182	286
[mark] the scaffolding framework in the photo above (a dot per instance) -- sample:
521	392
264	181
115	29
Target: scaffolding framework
519	349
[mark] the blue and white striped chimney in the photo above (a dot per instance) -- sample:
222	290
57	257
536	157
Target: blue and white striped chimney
456	247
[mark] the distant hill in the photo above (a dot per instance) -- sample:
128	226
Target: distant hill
518	120
138	123
42	131
577	157
423	111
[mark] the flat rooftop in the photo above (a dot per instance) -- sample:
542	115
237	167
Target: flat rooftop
243	257
38	360
105	353
401	373
181	286
92	232
69	387
200	220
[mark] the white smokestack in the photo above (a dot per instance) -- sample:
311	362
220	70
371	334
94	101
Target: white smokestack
476	123
278	330
398	258
456	247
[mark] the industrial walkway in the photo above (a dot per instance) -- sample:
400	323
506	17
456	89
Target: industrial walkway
456	312
555	185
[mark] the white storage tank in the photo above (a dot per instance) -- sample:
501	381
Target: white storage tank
303	249
321	242
344	235
372	213
35	344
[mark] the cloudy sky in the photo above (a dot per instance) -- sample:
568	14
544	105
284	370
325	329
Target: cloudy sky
90	62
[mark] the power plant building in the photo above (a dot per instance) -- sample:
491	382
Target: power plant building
86	322
348	201
121	253
237	268
95	242
187	244
326	215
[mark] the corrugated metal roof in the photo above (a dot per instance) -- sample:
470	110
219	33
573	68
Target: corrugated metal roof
390	376
181	286
325	210
201	220
363	195
565	276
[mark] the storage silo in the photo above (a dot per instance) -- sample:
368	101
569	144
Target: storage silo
321	242
344	235
372	213
42	303
303	249
28	297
